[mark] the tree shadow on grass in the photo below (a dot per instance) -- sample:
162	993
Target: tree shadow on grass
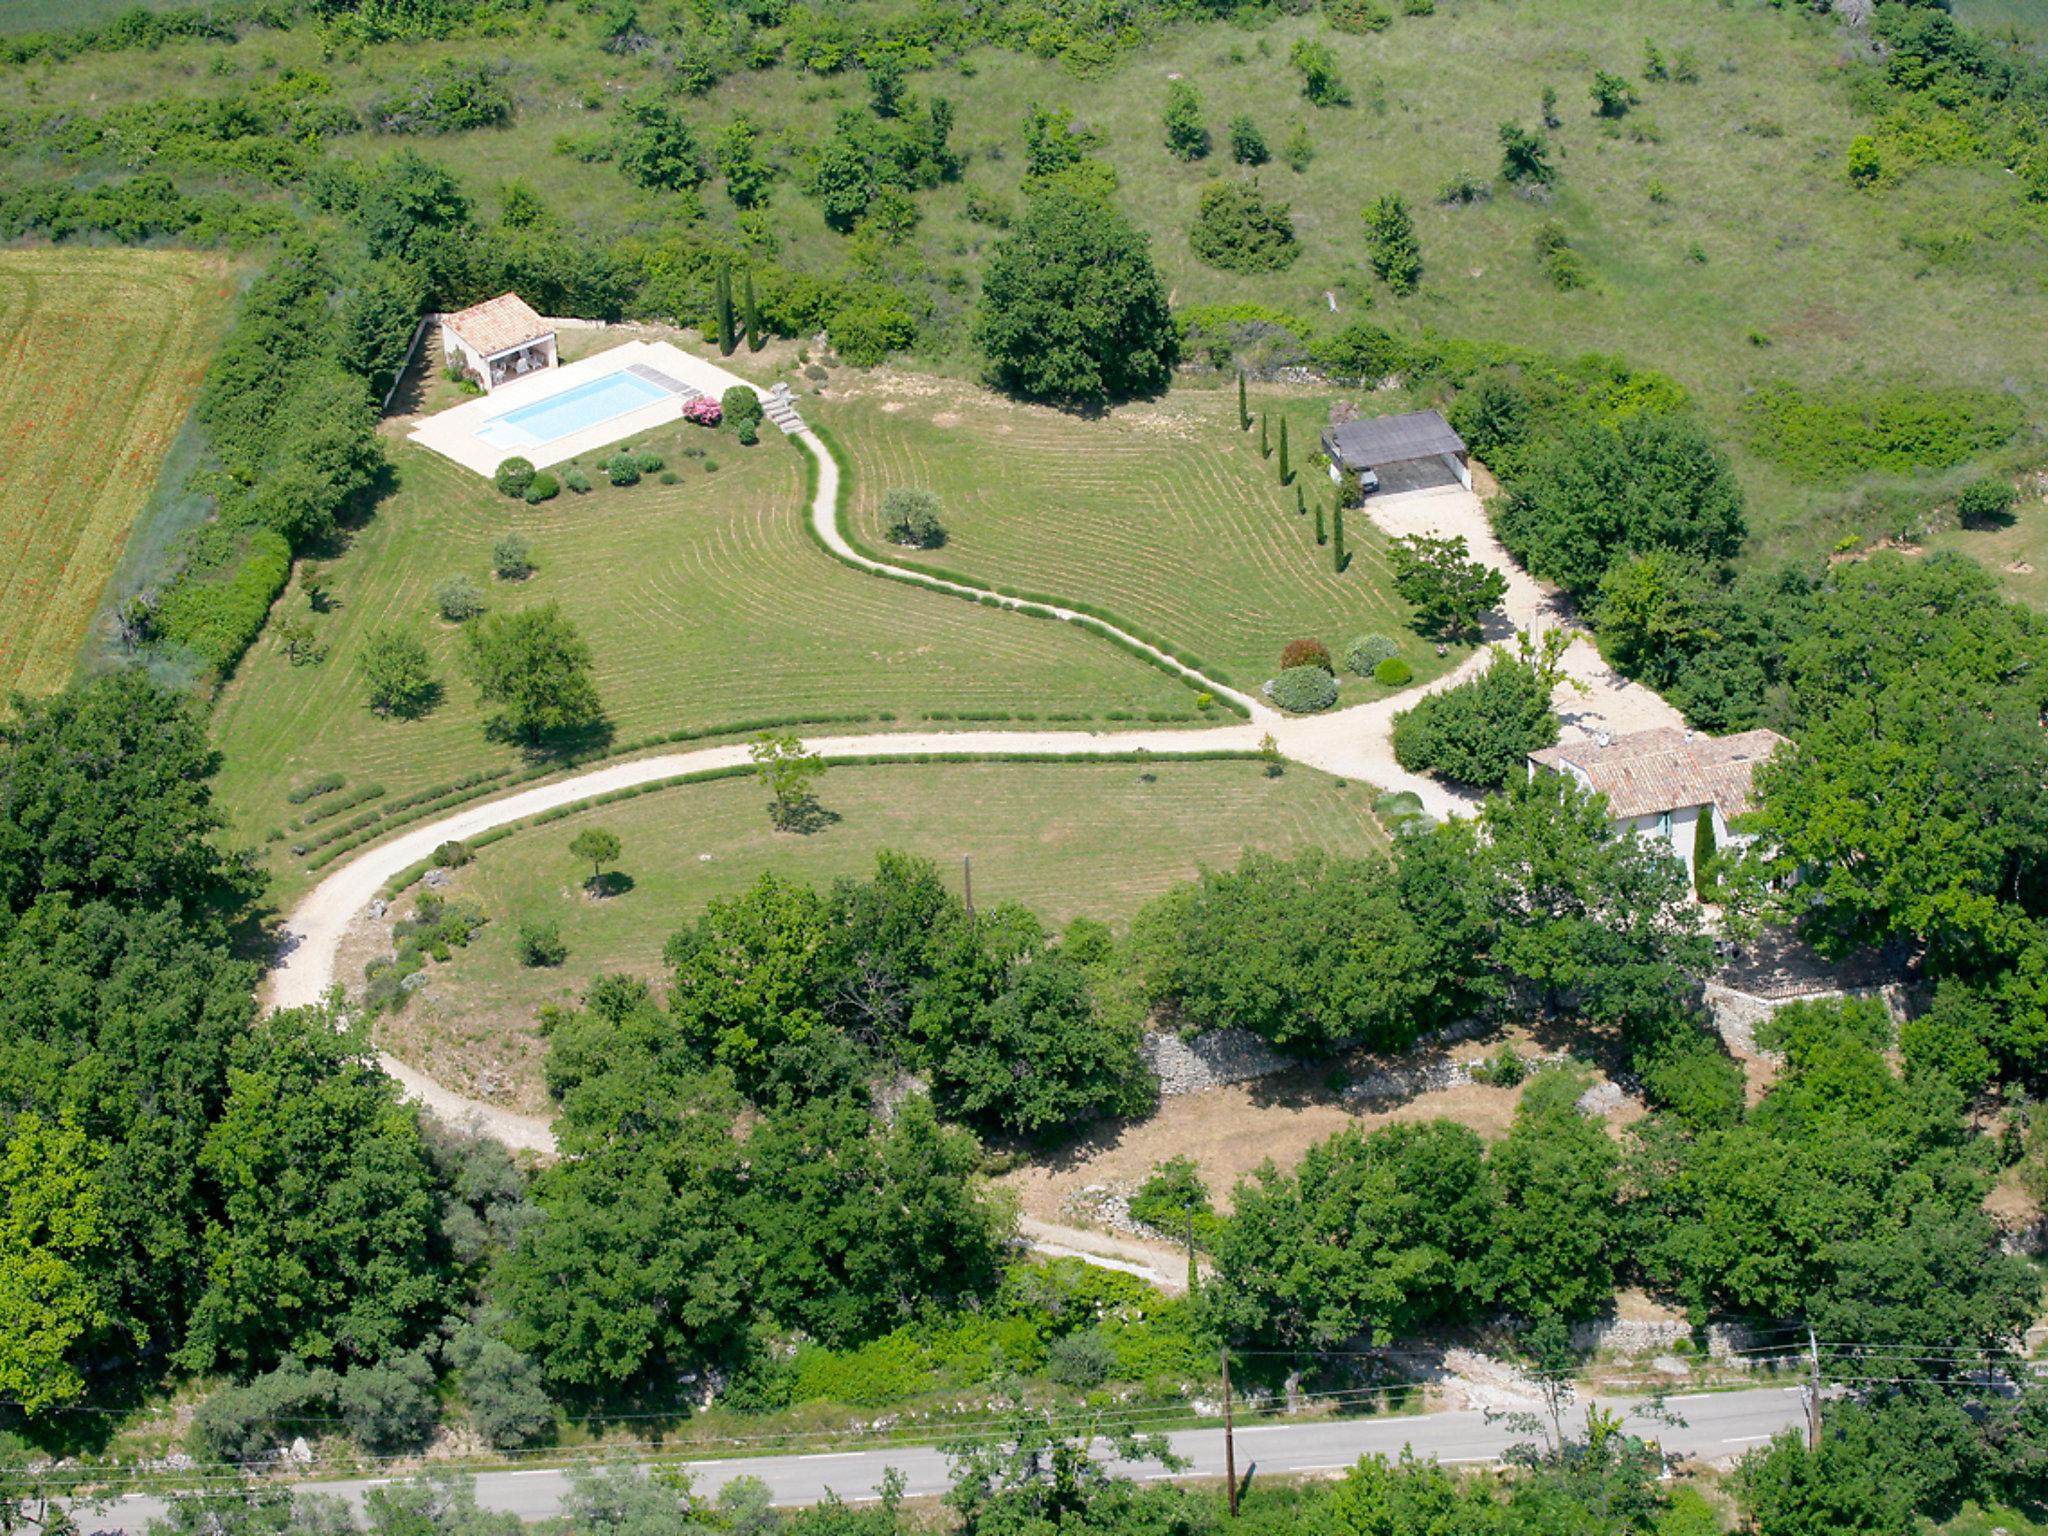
613	882
801	817
561	749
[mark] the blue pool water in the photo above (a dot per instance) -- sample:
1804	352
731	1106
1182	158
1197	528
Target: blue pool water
573	410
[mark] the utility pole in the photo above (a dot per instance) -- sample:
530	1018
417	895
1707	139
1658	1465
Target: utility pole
967	880
1813	1392
1229	1438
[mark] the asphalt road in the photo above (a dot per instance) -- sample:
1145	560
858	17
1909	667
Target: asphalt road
1715	1425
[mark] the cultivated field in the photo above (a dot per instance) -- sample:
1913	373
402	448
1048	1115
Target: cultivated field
1162	515
1066	839
704	603
101	353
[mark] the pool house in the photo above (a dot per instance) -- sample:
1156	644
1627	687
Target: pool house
498	340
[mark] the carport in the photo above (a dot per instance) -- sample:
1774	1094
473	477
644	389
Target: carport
1414	450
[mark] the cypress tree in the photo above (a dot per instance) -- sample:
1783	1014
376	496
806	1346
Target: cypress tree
1284	475
1244	417
726	340
751	312
1321	537
1300	501
1265	444
1337	543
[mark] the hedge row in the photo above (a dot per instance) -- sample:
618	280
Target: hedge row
220	618
426	802
347	802
408	876
1037	605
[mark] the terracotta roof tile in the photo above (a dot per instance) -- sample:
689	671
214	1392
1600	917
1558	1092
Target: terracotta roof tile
1648	772
497	325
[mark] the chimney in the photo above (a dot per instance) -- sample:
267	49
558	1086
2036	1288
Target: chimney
1603	740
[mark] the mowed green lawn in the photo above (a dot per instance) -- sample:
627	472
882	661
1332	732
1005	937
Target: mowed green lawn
704	603
1065	839
1161	514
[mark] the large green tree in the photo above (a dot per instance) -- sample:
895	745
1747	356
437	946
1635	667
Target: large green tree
1310	952
1595	494
1381	1234
325	1246
1556	1223
536	668
56	1284
1072	309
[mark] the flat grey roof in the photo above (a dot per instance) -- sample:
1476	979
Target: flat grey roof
1391	439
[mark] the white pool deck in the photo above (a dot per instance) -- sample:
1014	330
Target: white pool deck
453	432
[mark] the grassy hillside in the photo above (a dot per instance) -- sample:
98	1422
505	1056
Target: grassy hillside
1067	840
1725	242
101	353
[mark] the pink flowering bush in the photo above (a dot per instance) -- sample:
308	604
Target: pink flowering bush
704	411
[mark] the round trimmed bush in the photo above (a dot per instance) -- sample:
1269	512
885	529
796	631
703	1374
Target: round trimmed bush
1367	652
1393	673
513	476
750	434
576	480
1985	501
458	599
453	855
741	405
1304	690
622	469
1306	653
543	487
648	462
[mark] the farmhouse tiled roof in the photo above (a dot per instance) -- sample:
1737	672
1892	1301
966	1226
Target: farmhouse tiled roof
1649	772
498	325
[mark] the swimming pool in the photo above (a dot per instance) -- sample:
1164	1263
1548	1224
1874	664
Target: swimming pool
573	410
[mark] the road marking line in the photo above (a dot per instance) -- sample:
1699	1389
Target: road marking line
1744	1439
376	1482
1320	1466
1264	1429
835	1456
532	1472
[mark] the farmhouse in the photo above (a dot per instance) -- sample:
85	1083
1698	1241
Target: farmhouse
1413	441
496	340
1662	783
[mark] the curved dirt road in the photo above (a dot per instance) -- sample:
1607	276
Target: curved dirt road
1353	743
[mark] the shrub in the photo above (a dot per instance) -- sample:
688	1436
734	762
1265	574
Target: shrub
1463	188
1479	732
1238	230
911	517
1305	653
511	558
704	412
648	461
1357	15
507	1399
1319	79
1304	690
240	1423
1985	501
576	480
540	944
1836	432
622	469
1247	144
741	406
513	476
325	784
1563	265
1186	136
1367	652
1393	673
458	599
544	487
749	434
1362	352
1080	1360
389	1406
